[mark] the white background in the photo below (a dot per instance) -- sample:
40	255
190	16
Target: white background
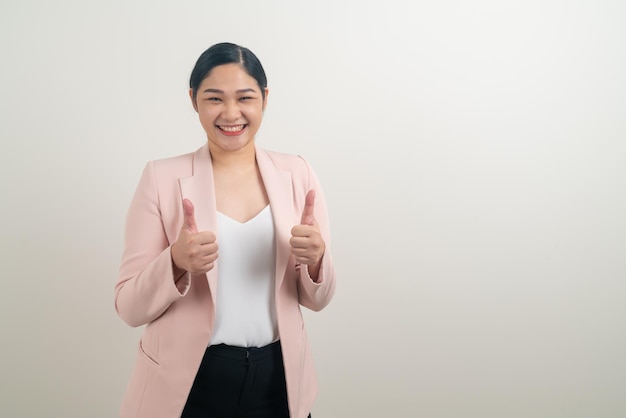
473	157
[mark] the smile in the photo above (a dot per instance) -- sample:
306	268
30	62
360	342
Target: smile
233	129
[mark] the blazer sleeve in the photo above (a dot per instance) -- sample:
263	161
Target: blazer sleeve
146	286
316	295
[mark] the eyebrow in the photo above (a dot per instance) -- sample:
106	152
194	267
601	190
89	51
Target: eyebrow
249	90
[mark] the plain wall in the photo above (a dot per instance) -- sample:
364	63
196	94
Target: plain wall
472	153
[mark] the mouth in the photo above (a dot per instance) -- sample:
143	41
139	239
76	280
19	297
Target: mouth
232	130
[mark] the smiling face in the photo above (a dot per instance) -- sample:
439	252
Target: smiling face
230	106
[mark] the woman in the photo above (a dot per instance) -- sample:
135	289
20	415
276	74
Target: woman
222	246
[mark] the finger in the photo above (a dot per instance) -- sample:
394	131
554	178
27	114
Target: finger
297	245
308	216
203	268
205	238
204	263
189	220
209	251
301	253
302	231
200	252
299	242
304	259
209	258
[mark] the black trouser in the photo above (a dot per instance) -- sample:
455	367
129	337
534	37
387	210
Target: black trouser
236	382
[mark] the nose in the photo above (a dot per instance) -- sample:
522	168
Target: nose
231	111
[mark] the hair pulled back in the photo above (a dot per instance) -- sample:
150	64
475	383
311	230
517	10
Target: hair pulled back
227	53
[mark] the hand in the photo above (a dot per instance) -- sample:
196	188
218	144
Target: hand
307	244
193	251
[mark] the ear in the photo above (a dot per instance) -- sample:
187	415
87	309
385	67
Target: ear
267	93
193	101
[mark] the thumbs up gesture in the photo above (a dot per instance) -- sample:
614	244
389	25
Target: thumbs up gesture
193	251
307	244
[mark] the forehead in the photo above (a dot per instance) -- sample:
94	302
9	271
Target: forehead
227	76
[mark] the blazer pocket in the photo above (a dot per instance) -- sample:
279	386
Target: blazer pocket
151	358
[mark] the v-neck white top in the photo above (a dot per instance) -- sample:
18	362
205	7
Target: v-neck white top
245	307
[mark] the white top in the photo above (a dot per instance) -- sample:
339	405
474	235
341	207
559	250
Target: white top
245	307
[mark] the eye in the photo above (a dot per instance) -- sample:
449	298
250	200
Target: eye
213	99
245	98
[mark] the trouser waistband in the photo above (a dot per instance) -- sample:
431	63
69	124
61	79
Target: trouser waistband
244	354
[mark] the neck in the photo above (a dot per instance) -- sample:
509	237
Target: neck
242	158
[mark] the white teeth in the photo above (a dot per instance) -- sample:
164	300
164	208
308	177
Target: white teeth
232	128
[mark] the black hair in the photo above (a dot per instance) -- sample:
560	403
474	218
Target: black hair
227	53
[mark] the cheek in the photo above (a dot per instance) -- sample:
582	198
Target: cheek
206	115
207	122
255	114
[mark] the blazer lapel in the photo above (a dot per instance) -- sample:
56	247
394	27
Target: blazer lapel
199	189
278	185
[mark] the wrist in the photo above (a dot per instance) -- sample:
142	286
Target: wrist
314	270
177	271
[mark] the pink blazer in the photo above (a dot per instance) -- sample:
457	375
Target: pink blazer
179	316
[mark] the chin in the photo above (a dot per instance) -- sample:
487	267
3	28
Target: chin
232	145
